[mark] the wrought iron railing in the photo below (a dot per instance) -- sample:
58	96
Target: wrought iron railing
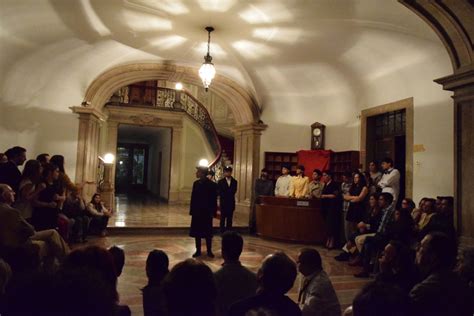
176	100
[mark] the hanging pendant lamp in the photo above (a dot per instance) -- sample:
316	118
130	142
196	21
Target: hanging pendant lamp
207	72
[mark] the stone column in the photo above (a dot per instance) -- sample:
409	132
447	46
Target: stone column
176	157
463	87
246	163
87	149
108	187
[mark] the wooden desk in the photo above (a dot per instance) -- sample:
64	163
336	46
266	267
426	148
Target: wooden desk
291	219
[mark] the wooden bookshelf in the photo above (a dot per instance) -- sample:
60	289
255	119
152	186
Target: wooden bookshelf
275	160
343	161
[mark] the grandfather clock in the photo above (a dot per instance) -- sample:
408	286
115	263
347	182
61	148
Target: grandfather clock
317	136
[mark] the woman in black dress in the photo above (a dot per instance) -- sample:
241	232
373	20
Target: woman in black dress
331	207
45	212
357	201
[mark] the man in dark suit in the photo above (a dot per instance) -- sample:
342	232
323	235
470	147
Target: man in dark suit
227	187
202	209
9	173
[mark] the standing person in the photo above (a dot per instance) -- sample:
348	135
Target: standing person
356	212
282	186
45	212
227	187
316	186
331	208
263	187
234	282
375	174
299	187
316	295
345	187
27	190
99	215
9	173
390	181
43	159
202	208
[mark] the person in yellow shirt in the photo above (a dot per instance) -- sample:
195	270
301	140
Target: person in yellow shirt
299	187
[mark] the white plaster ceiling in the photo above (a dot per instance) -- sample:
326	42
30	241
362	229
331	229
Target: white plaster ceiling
51	50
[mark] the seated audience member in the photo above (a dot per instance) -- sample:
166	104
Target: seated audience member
43	159
442	291
99	215
427	212
416	213
465	270
190	289
366	228
75	208
316	295
442	220
100	261
234	282
356	197
380	299
397	266
64	182
3	158
27	192
299	186
5	276
373	244
118	256
156	270
16	233
408	204
275	278
9	172
402	228
316	185
282	185
47	199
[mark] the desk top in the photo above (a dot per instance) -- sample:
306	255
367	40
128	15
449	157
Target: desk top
292	202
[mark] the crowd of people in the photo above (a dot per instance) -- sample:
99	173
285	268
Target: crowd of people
411	251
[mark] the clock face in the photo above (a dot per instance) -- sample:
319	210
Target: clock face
317	132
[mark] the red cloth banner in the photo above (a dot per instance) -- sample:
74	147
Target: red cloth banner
314	159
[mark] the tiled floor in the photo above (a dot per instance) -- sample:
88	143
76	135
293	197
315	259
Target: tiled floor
146	211
180	247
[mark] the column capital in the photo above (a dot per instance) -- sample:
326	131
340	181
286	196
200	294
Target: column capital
252	127
462	84
84	111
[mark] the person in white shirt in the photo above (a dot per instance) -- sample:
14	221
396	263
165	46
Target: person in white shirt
317	296
282	186
390	181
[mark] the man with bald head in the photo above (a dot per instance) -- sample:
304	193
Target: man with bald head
275	278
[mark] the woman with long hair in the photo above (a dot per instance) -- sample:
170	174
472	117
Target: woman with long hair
45	212
27	190
356	198
99	215
156	271
331	208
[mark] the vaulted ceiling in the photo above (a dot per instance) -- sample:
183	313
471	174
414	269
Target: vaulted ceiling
51	50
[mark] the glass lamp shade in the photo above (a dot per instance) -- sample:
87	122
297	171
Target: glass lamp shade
207	72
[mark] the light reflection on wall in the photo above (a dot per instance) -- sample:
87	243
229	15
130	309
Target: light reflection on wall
174	7
216	5
269	12
253	50
168	42
278	34
145	22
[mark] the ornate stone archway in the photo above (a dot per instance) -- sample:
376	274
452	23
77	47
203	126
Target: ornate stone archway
93	115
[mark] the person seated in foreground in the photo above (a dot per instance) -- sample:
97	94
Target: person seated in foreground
380	299
275	278
9	172
427	212
442	291
397	266
118	256
442	220
190	289
17	234
316	295
465	269
156	270
99	215
234	282
75	208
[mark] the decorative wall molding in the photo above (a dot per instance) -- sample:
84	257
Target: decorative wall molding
145	119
